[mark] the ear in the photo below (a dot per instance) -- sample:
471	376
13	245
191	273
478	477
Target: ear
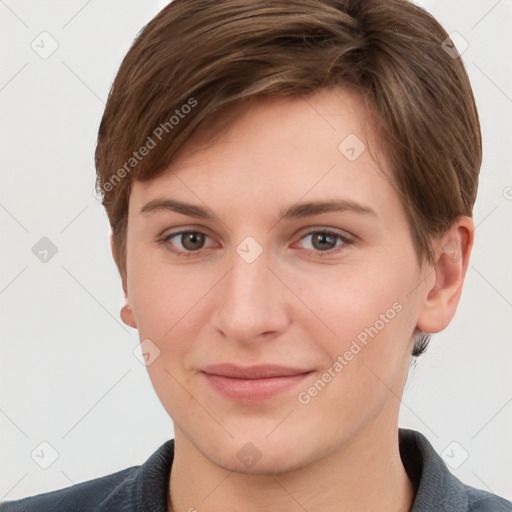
440	300
126	314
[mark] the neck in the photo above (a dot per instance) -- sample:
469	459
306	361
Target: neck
364	474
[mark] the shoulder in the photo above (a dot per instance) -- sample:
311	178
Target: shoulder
436	487
132	489
483	501
81	497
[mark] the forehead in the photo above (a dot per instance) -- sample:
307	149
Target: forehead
277	150
326	114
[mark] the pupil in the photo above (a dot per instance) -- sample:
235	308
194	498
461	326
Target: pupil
195	240
322	238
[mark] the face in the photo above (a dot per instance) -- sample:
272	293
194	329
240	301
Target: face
331	293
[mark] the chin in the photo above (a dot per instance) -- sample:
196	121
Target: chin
271	462
256	454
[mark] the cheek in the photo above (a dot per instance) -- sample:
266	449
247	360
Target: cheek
166	302
351	301
372	317
163	295
372	313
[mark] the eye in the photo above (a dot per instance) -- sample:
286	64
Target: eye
191	241
321	241
324	241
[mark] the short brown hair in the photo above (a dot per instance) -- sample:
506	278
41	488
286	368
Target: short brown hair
197	57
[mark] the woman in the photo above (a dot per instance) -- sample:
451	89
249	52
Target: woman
290	188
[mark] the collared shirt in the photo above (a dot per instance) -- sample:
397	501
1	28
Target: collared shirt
145	488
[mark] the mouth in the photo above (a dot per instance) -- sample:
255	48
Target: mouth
255	383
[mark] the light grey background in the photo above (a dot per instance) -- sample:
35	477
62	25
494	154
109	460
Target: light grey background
68	373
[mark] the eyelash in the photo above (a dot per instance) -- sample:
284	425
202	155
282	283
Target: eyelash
345	241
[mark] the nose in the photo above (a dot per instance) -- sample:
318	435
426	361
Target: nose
252	302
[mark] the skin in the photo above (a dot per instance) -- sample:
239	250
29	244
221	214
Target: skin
295	305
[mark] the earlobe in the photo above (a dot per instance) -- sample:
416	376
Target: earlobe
127	315
440	300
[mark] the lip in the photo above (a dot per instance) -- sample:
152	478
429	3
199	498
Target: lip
262	371
254	383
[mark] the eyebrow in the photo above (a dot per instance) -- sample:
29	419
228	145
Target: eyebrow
300	210
174	205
